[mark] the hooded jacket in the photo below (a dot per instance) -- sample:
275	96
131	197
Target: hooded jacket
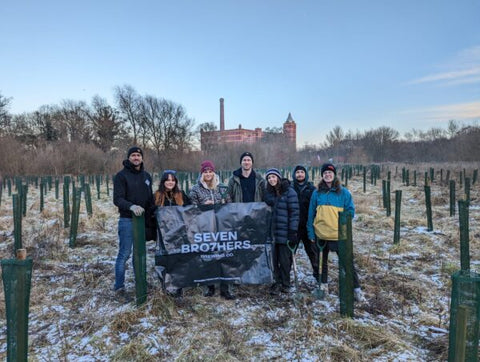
285	211
132	187
323	212
235	187
304	192
200	193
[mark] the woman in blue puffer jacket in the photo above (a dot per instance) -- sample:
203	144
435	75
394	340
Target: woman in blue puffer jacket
286	213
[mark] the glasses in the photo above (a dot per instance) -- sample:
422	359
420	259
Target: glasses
173	172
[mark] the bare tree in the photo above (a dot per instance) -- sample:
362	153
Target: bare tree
105	122
74	118
4	115
129	104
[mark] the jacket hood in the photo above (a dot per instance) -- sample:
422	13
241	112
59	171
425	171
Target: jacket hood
295	170
129	166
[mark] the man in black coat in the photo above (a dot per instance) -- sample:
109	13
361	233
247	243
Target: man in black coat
304	190
132	193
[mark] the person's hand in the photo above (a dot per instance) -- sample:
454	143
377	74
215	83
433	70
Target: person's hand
137	210
292	236
208	202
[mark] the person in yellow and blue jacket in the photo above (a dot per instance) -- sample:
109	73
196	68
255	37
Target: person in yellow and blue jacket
326	202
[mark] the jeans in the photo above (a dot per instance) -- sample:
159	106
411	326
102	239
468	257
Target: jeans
125	240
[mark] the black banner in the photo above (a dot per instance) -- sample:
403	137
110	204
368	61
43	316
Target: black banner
210	244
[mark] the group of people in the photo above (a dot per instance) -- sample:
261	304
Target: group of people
301	212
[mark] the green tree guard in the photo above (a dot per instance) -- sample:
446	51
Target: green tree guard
88	199
76	197
447	176
9	187
17	276
364	179
403	175
17	222
57	191
24	199
407	177
346	179
398	203
36	182
432	174
460	184
97	183
428	204
1	192
389	205
464	235
475	176
49	182
452	197
107	178
345	260
464	316
414	178
426	179
467	189
41	196
66	204
139	259
384	193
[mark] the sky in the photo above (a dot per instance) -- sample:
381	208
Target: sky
360	65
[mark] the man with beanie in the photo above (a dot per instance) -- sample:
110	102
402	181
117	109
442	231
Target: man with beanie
132	194
246	185
304	190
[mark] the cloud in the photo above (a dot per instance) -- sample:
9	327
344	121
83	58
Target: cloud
464	68
458	112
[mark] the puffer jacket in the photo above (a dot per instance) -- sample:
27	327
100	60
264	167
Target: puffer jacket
323	212
304	192
235	187
200	193
285	211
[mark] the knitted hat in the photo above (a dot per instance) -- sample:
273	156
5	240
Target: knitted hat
246	154
299	167
273	171
207	165
328	167
133	150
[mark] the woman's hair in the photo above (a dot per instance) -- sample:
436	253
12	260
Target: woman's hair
211	185
336	184
277	189
161	186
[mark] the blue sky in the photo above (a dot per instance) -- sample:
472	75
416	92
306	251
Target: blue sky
356	64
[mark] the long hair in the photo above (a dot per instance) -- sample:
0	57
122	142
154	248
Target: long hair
277	189
336	184
162	192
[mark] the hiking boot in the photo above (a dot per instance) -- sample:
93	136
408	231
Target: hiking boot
359	296
227	295
275	289
178	293
122	296
210	291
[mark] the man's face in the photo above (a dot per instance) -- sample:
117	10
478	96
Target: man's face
135	159
247	163
300	175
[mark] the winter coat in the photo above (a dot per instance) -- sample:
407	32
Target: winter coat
304	192
200	193
132	187
165	200
235	187
323	212
285	211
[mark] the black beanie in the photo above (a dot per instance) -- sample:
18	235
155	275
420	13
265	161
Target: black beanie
328	167
246	154
134	149
299	167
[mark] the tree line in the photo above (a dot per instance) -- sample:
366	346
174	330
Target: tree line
79	137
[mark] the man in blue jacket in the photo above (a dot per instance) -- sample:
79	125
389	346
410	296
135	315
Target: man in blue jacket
132	194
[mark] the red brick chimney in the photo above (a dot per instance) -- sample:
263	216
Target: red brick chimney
222	116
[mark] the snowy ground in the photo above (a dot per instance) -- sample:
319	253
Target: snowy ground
74	315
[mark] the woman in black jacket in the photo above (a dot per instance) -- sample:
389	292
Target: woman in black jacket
284	202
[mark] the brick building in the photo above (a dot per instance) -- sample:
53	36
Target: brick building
244	136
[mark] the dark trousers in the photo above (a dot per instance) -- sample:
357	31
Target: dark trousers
282	263
313	255
333	246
